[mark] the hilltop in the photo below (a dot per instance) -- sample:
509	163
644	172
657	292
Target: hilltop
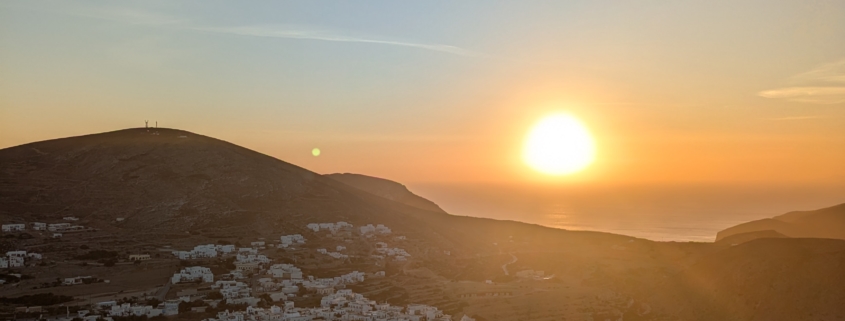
155	182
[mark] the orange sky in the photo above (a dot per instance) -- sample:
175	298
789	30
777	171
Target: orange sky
670	95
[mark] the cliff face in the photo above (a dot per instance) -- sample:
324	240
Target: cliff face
823	223
387	189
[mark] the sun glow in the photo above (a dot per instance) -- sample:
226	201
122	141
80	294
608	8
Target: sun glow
558	145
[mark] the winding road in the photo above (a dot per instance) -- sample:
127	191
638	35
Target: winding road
505	266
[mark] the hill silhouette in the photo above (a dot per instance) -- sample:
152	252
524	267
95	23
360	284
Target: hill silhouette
386	188
166	181
740	238
822	223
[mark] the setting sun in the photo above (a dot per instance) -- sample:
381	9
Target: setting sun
559	144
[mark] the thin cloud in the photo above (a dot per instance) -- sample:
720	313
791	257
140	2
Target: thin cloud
795	118
833	72
282	32
824	84
815	95
140	17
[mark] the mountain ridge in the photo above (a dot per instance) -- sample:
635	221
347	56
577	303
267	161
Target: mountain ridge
386	188
826	222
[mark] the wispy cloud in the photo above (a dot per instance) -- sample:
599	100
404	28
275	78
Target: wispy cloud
824	84
795	118
140	17
290	33
816	95
833	72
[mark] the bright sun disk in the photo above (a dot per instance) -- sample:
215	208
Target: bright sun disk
559	144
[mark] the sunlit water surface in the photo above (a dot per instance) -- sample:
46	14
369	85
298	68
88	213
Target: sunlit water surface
663	213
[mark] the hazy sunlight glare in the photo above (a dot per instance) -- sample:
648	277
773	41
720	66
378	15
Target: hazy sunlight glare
559	144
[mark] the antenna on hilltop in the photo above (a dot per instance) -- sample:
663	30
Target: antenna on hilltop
156	123
146	124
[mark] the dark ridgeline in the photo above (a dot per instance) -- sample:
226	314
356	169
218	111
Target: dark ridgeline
166	182
385	188
823	223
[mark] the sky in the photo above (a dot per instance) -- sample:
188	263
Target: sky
682	92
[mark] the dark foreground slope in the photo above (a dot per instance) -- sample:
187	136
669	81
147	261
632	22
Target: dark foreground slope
822	223
764	279
385	188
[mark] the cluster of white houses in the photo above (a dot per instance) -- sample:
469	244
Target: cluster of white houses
166	308
288	240
395	252
331	227
282	282
377	229
193	274
292	281
205	251
40	226
336	255
236	292
17	259
287	271
366	230
343	305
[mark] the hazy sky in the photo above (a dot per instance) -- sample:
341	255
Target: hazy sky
444	91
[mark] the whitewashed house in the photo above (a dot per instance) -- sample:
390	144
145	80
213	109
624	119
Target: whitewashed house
225	249
192	274
58	227
314	227
257	244
13	227
285	271
288	240
199	252
381	229
16	262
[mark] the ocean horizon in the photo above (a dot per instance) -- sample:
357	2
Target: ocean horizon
683	213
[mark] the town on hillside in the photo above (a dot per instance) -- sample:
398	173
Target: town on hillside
290	278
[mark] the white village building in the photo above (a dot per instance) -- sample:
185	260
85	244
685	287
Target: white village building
13	227
288	240
192	274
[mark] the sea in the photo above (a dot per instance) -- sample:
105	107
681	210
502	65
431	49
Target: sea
683	212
